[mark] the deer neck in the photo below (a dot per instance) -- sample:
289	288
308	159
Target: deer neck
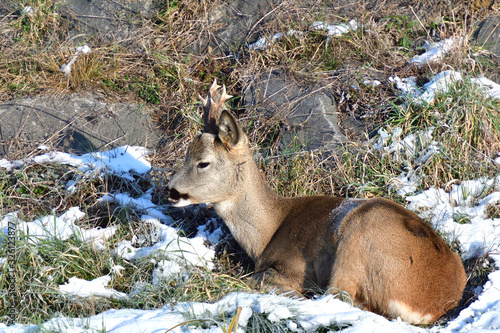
254	212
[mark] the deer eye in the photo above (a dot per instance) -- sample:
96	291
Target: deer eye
203	165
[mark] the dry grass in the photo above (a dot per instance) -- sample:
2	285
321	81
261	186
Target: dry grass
157	64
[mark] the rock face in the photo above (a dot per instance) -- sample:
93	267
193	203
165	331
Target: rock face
309	112
238	20
488	35
73	123
105	20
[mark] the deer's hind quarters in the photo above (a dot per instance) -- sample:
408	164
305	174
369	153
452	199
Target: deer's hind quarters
388	259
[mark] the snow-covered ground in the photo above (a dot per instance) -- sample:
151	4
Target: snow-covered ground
480	236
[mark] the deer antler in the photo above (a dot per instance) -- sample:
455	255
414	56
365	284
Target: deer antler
211	109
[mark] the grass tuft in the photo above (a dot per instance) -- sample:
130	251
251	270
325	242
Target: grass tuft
467	127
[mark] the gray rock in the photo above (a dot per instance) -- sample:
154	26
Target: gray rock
239	19
308	111
105	20
488	35
74	123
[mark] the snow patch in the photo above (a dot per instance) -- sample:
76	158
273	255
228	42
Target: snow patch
334	30
66	68
436	51
440	83
96	287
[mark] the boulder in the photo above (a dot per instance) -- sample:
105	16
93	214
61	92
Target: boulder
238	20
488	35
73	123
308	112
105	20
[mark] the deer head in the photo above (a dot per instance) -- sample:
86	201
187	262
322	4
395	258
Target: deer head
210	170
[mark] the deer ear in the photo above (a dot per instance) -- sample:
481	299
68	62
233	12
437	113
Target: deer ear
229	131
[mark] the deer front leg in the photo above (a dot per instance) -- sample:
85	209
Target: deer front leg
272	280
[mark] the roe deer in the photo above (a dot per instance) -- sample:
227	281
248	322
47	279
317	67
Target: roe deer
388	259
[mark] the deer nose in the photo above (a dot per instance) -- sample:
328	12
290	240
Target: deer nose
173	194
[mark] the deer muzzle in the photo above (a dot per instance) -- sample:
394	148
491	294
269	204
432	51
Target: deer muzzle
178	199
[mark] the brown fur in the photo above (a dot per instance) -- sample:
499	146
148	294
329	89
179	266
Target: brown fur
385	257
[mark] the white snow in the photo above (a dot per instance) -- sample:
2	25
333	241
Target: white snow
299	316
28	10
488	87
61	227
96	287
213	237
436	51
407	85
265	42
185	251
478	237
66	68
334	30
441	83
166	269
6	164
373	83
415	148
118	161
142	204
406	183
